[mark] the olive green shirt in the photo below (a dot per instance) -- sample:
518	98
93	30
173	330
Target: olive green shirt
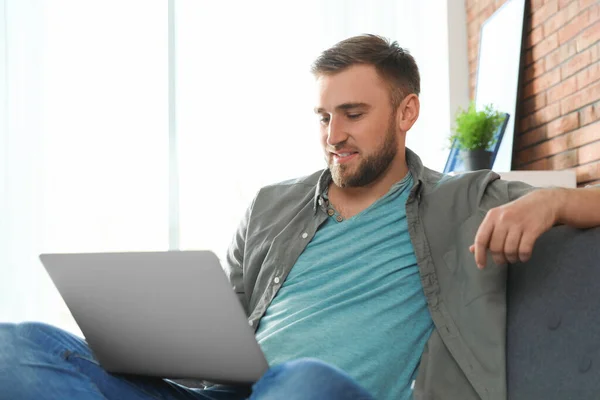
465	357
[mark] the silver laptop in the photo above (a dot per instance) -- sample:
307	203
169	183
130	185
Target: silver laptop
163	314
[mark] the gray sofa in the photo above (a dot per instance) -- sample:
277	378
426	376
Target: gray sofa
553	338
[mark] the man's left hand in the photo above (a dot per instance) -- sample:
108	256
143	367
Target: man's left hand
510	231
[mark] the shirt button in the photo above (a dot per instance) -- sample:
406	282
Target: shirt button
330	212
339	218
304	235
276	280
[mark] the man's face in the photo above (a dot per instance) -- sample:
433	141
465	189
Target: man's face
358	128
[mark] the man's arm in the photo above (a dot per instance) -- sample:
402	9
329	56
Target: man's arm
579	208
510	231
234	266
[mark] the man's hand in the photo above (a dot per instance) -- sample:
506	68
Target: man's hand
510	231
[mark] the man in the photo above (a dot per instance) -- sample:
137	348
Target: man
377	266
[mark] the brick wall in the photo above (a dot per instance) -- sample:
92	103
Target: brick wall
559	126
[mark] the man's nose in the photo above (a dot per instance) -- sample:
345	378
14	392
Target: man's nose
335	132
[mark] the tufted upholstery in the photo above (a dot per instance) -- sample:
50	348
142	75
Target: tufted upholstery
553	338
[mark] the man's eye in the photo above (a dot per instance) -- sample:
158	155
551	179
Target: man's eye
324	120
354	116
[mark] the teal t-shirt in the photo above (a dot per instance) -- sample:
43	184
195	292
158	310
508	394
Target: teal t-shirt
354	299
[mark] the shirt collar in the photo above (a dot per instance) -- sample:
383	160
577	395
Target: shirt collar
415	167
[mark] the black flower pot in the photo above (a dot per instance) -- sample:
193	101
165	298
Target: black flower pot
476	159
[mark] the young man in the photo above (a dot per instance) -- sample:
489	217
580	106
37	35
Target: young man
376	266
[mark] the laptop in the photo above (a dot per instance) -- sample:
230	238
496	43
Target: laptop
164	314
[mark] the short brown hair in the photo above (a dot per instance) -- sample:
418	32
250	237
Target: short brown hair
393	63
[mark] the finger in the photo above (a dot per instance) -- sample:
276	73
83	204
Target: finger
511	246
482	239
499	258
497	244
472	248
526	246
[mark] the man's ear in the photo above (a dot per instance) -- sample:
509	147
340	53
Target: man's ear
408	112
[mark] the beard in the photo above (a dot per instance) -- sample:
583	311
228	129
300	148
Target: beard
371	166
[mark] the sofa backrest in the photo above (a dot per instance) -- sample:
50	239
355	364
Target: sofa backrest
553	338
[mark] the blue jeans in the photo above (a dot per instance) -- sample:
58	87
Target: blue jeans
38	361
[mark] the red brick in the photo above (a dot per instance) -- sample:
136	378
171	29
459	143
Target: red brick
544	115
588	37
559	144
474	41
528	57
565	3
588	153
585	3
534	103
532	137
483	4
471	14
472	68
524	124
585	135
588	95
487	12
545	46
576	63
554	146
541	14
473	51
588	76
595	12
535	36
573	28
562	90
564	160
534	70
589	114
536	5
539	165
473	27
595	52
588	172
585	184
561	18
562	125
542	150
545	81
559	55
524	157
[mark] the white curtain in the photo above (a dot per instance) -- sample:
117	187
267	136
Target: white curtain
84	142
84	149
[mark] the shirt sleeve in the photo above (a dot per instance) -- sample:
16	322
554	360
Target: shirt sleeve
234	262
498	192
517	189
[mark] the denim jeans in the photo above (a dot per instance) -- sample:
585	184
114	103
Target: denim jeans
38	361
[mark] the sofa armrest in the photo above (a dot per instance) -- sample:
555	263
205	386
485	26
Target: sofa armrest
553	320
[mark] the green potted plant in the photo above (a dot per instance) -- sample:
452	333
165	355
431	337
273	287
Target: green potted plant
474	134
